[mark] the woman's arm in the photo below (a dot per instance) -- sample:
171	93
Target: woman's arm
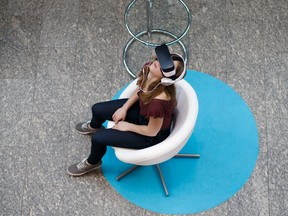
132	99
120	113
151	129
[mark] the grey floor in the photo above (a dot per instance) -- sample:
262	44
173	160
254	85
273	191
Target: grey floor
57	58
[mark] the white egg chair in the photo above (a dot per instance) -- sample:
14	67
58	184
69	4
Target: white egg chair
185	116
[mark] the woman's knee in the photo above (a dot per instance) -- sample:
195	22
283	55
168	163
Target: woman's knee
108	107
96	139
96	108
107	137
100	138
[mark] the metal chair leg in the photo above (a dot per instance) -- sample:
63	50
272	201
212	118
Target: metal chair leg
187	156
162	179
126	172
159	170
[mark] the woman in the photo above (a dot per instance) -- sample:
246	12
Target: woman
141	121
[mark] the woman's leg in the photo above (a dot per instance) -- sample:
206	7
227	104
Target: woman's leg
100	141
116	138
104	111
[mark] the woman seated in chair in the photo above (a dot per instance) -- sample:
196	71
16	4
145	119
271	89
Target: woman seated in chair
142	120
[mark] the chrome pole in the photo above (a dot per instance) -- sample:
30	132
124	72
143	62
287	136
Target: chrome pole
187	156
149	15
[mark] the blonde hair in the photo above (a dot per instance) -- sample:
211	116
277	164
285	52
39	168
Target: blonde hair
155	88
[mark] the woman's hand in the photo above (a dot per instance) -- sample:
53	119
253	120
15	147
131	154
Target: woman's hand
119	115
122	126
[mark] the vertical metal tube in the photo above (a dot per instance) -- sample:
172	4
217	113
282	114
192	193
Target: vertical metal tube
149	4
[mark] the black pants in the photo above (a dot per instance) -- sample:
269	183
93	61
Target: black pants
109	137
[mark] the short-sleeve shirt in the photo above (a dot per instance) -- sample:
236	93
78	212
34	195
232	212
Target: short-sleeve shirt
158	108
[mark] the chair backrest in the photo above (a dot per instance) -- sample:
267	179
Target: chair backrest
185	118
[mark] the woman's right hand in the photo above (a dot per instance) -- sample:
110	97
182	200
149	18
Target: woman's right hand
119	115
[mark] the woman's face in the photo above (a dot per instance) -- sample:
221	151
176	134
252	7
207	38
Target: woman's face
155	68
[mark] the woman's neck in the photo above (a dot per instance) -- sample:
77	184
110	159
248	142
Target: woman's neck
150	79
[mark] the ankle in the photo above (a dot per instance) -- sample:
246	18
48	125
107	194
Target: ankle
88	163
89	126
91	164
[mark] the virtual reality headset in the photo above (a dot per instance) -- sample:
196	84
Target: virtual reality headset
166	60
167	65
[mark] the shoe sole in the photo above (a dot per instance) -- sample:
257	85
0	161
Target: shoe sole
83	132
80	174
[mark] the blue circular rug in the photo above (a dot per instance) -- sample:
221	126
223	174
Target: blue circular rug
225	136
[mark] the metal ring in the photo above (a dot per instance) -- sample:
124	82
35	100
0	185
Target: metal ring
146	32
177	39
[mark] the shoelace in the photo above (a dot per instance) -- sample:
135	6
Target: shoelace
85	126
82	165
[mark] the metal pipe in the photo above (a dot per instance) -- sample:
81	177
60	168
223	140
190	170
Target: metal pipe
189	21
162	179
187	156
127	172
149	16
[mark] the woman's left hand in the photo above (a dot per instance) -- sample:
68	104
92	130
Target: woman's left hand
122	126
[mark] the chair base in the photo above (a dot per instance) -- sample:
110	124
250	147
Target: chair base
196	156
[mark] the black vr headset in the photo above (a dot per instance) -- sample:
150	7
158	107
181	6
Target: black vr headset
167	65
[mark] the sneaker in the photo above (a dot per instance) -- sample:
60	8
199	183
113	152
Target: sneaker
82	167
84	128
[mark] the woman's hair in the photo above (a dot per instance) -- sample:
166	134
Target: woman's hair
170	90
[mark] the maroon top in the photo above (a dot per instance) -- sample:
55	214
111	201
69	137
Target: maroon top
158	108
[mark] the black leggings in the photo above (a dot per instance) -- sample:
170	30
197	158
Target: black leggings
109	137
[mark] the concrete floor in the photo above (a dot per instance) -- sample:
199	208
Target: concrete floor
57	58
